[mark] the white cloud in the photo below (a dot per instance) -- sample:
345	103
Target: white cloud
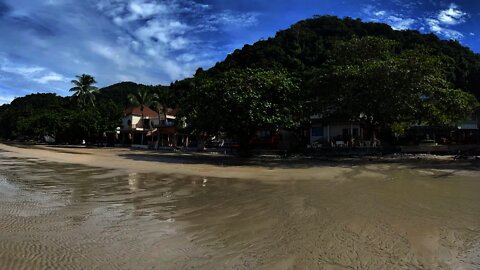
395	20
50	77
146	9
119	55
22	70
441	23
32	73
398	23
163	31
436	27
147	41
186	57
452	16
228	17
6	99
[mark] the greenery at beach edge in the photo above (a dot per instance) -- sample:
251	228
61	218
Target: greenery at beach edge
336	68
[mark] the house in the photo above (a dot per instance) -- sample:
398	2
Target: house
164	132
139	124
464	132
356	134
338	133
468	130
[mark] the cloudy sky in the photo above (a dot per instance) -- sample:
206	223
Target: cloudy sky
45	43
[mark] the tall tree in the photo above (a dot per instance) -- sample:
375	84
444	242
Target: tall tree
142	98
84	90
240	102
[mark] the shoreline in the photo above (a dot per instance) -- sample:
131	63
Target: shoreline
221	166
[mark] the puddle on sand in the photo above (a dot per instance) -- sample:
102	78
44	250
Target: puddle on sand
57	216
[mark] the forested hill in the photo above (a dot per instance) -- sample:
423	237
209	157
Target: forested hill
306	44
341	69
118	92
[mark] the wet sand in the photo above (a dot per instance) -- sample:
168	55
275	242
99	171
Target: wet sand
210	165
139	161
95	209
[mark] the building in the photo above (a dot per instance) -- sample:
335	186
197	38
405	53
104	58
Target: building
465	132
140	125
338	133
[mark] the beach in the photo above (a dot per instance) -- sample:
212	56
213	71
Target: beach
118	208
225	166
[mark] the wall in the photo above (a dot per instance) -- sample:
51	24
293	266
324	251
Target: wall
133	118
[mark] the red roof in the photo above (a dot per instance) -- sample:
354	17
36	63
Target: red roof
147	112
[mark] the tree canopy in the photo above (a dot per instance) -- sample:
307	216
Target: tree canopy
307	44
241	101
351	70
365	80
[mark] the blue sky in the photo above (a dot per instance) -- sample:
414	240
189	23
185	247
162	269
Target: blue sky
45	43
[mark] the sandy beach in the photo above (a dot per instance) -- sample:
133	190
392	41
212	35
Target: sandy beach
143	161
217	165
118	208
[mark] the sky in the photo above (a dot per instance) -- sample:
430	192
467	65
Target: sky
45	43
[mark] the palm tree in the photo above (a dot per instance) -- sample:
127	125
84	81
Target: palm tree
143	98
161	100
84	90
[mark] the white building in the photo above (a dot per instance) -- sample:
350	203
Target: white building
137	123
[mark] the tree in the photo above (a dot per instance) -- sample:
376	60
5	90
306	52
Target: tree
365	80
240	102
143	98
84	90
27	116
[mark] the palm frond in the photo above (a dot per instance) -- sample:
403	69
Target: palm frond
75	89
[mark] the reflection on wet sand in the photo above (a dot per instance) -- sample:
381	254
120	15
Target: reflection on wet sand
60	216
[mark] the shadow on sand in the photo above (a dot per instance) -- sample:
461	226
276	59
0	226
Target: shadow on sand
303	162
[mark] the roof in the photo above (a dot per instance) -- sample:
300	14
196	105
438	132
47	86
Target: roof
147	112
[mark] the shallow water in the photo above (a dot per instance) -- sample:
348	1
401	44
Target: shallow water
57	216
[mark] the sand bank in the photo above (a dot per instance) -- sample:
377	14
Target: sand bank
208	165
139	161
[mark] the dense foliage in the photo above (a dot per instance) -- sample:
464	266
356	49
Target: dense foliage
36	115
337	68
365	80
240	102
348	70
307	44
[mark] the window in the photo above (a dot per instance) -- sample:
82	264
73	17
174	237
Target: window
317	131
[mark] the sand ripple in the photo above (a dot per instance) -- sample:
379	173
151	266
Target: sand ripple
60	216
